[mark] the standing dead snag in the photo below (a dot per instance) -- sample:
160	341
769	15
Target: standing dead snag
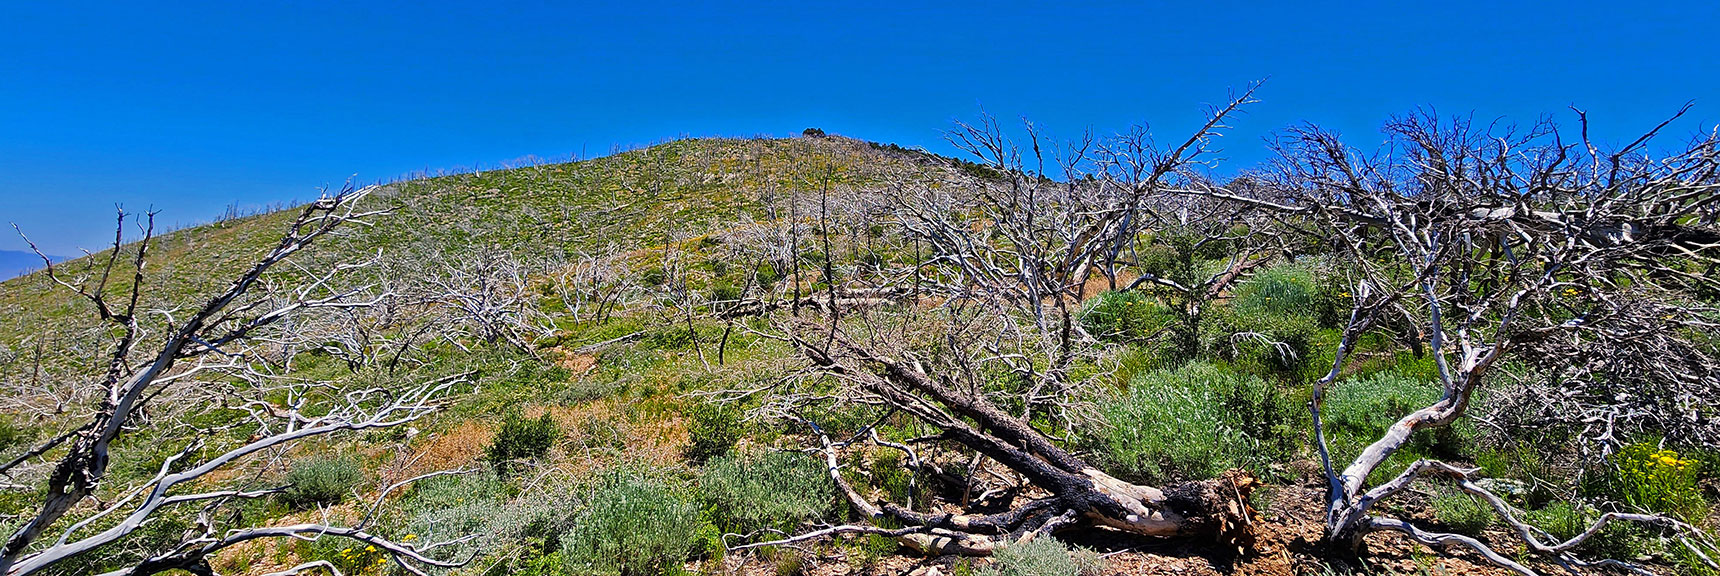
1008	255
1594	270
223	336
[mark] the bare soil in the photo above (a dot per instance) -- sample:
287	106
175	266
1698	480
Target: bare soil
1288	534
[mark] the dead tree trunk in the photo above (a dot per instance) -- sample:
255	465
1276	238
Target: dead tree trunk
1079	492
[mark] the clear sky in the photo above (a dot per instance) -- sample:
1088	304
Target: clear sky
190	108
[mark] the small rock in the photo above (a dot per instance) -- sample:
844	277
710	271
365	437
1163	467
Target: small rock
1503	486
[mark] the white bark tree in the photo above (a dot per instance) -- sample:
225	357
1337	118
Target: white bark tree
1503	245
157	371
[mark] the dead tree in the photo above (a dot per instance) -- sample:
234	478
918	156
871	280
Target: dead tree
79	511
487	292
989	352
1504	245
592	286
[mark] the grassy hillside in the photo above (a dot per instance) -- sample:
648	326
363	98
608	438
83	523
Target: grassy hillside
634	404
621	406
629	201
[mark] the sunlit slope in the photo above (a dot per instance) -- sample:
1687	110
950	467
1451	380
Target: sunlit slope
630	200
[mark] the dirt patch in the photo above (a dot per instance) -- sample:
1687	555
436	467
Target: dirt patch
457	447
1097	283
577	364
598	434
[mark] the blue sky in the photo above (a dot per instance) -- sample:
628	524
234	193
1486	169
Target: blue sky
189	108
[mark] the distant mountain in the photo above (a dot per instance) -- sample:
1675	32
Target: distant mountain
14	263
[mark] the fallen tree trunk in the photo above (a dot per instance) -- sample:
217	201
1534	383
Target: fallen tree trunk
1079	493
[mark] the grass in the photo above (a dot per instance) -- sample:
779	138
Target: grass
1461	512
321	481
1358	411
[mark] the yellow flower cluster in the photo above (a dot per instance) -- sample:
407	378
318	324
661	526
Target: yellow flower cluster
368	559
1571	292
1657	479
1669	459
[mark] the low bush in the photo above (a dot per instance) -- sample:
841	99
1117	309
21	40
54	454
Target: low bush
713	432
1564	520
451	507
1044	556
1194	422
1270	323
320	481
746	491
1357	411
1461	512
1122	317
1646	477
631	525
520	439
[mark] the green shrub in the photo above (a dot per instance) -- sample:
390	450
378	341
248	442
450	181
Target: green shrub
1332	299
1461	512
450	507
1646	477
714	430
1122	317
1283	289
1524	461
631	525
747	491
519	439
1194	422
321	480
1270	323
1564	521
1044	556
1358	411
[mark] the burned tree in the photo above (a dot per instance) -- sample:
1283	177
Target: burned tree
1592	271
991	359
213	359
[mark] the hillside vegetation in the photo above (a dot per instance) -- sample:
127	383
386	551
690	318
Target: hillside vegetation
826	356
